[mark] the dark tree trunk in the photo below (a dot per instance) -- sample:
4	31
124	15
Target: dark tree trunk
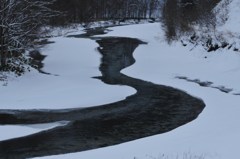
2	51
3	54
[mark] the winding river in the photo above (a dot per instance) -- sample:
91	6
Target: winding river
154	109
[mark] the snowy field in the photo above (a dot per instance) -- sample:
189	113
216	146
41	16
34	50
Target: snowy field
214	135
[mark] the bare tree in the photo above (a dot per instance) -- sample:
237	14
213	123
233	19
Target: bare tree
179	16
20	21
93	10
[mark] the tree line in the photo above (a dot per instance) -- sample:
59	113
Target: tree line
91	10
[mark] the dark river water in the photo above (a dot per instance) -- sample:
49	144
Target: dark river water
154	109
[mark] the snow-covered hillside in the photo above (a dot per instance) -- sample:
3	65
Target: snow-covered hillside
230	29
213	77
221	32
232	15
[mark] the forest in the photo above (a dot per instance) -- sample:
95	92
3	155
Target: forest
76	11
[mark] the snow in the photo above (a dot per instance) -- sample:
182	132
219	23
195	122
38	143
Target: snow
214	135
72	63
49	31
9	132
233	22
230	30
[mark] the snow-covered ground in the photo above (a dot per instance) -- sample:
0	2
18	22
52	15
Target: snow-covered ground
214	135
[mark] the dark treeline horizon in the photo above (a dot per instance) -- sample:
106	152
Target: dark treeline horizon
177	16
77	11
